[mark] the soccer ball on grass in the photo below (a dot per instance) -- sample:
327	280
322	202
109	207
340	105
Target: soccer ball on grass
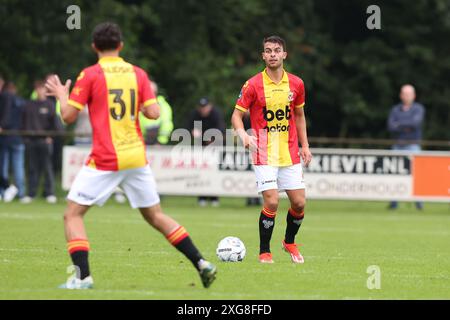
231	249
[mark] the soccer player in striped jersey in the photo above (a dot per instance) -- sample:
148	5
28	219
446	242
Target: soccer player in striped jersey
275	99
115	92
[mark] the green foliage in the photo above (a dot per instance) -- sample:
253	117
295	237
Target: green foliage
195	48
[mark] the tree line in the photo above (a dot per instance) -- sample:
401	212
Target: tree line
197	48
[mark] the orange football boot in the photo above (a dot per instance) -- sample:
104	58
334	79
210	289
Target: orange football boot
265	257
292	249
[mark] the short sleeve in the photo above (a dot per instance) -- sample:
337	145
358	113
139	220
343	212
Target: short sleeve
246	97
80	93
300	99
146	94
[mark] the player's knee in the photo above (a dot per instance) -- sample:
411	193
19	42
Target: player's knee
70	214
298	205
272	206
74	211
271	203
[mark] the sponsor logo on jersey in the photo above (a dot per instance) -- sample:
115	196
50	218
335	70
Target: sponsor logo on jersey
277	115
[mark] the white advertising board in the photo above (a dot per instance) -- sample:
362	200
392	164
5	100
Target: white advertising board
333	174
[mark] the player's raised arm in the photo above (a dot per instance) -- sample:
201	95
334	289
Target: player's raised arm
55	88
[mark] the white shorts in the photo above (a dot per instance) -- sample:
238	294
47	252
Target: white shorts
280	178
93	186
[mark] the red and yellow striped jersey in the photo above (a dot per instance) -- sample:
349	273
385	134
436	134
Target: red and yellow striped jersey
113	90
271	106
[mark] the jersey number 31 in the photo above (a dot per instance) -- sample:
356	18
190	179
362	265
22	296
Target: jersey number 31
123	108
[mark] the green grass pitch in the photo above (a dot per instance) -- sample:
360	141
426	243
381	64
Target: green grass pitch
130	260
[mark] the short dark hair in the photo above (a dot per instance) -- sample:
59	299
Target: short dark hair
107	36
38	84
275	39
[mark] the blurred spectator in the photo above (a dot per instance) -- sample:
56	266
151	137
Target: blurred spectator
405	125
40	116
12	149
4	184
157	131
211	118
58	141
83	129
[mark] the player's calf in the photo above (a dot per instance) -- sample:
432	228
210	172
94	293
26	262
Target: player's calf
266	226
180	239
294	220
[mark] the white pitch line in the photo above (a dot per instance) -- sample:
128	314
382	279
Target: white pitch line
22	250
28	216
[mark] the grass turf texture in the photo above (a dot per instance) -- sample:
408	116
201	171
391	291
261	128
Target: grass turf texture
130	260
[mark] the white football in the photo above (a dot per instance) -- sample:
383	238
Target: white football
231	249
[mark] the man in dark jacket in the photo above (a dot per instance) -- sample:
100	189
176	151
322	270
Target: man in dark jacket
405	125
210	117
39	117
12	149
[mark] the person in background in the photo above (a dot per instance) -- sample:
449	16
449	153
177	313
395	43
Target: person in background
4	107
157	131
83	129
40	116
3	183
58	141
12	149
211	118
405	125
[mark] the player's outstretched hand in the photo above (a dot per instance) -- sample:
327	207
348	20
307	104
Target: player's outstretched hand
306	155
56	88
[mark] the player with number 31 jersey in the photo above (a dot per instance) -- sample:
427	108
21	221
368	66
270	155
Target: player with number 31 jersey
115	92
109	87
